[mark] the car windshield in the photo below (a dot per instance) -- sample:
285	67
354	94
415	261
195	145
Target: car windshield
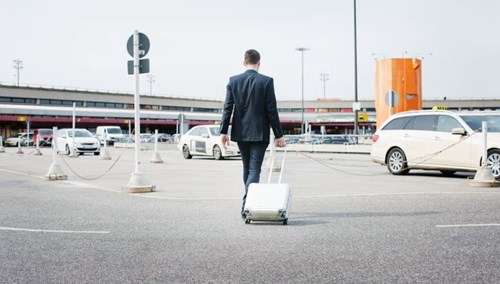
114	131
214	131
79	133
475	122
45	132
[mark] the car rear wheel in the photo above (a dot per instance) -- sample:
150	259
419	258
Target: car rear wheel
396	162
494	163
185	152
217	153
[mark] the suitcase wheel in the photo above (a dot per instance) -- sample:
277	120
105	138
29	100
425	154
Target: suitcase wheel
247	221
285	222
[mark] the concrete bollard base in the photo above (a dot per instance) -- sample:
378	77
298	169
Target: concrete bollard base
156	159
104	154
37	152
55	173
484	178
138	184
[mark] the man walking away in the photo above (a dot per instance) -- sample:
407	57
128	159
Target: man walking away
251	102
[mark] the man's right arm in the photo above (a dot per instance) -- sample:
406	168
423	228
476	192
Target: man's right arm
227	110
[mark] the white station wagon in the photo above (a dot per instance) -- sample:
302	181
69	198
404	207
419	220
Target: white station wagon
205	140
437	140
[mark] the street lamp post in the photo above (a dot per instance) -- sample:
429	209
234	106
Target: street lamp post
151	80
18	65
302	49
355	70
324	77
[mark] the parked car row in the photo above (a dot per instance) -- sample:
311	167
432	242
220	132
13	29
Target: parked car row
319	139
45	135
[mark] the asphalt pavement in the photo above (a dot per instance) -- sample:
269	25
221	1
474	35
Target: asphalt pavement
351	222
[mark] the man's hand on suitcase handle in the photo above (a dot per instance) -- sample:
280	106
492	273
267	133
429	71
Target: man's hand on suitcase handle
280	142
225	140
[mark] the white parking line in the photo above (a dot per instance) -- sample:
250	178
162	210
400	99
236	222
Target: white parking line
467	225
52	231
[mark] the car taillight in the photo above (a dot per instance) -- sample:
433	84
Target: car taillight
374	138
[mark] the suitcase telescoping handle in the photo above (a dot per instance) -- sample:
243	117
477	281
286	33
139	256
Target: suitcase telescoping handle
273	149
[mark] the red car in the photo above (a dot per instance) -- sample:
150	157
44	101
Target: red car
45	135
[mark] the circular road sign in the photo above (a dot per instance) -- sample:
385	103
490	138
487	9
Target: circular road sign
143	45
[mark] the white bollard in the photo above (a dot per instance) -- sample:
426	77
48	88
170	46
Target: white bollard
2	149
484	176
19	150
72	151
104	152
55	171
37	149
156	156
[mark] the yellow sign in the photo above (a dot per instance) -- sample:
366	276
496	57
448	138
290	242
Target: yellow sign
21	118
362	117
439	108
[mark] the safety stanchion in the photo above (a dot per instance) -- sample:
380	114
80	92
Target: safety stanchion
484	176
104	152
2	149
37	149
156	156
55	171
19	150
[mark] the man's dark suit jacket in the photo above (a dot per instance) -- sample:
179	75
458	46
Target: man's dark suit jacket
251	101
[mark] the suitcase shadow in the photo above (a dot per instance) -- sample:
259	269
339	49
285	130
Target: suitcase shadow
310	218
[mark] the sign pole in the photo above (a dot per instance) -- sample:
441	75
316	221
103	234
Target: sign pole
137	120
137	183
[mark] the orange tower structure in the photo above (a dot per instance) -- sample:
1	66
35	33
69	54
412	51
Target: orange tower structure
398	83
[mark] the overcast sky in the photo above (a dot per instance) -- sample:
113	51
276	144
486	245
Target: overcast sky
197	44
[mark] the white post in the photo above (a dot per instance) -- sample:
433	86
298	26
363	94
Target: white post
104	152
156	140
19	150
54	144
137	120
156	156
28	133
37	149
74	115
2	150
485	143
129	130
72	151
55	172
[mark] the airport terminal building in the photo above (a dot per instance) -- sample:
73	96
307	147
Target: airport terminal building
41	107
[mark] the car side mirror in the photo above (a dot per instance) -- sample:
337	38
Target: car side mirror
458	131
204	135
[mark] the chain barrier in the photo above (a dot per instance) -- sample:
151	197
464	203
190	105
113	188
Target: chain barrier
323	163
96	177
434	154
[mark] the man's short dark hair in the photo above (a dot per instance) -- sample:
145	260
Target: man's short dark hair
252	56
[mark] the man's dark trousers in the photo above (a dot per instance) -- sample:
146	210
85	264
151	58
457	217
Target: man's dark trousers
252	155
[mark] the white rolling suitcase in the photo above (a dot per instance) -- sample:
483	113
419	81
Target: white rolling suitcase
268	201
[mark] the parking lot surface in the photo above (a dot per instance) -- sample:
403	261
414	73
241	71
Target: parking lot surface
351	222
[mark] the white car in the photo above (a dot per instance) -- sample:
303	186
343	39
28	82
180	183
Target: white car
14	141
437	140
205	140
83	141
